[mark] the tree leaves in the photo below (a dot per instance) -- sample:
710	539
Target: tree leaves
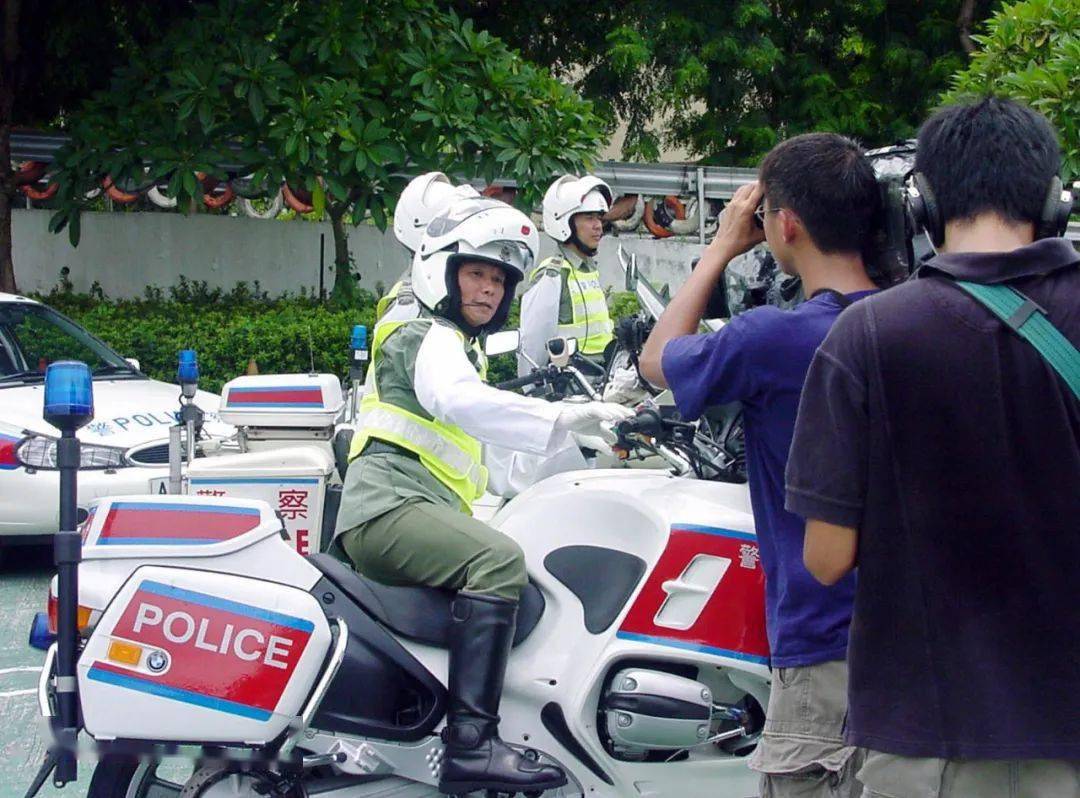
350	93
1031	52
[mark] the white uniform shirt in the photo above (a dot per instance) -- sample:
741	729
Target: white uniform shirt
522	442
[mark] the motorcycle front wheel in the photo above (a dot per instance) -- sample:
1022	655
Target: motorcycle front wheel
123	777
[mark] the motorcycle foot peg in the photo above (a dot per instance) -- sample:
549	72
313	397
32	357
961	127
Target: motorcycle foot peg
318	760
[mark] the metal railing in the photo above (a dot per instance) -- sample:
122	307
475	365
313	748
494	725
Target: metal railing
658	179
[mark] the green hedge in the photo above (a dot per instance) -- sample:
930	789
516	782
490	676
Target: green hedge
290	334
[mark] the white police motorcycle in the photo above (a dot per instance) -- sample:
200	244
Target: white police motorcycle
196	653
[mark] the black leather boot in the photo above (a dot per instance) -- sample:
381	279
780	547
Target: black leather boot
481	632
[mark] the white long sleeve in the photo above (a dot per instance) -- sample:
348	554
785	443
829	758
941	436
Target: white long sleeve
448	387
539	320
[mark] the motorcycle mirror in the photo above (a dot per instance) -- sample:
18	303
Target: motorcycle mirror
560	350
629	265
502	342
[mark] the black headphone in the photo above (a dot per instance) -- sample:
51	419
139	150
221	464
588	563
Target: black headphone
924	213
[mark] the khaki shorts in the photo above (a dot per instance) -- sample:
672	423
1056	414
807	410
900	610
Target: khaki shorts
891	776
802	750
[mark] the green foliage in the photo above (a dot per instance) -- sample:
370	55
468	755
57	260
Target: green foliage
727	80
338	97
1031	52
227	329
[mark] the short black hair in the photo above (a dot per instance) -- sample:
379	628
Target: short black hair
993	155
827	180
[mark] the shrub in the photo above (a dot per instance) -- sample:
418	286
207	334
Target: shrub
1031	52
290	334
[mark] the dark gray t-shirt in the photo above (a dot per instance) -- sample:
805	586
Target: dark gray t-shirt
954	449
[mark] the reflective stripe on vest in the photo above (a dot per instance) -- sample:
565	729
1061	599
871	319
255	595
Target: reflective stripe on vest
386	301
451	455
591	322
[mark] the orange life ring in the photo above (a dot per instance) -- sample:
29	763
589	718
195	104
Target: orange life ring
115	194
36	194
210	200
504	193
29	172
674	206
295	199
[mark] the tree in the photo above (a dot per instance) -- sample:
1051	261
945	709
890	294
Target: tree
728	80
1031	52
338	98
50	64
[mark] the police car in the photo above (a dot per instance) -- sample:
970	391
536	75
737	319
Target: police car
129	433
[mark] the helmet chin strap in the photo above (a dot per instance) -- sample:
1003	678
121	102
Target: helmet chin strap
578	243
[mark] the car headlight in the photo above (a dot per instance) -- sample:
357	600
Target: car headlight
38	451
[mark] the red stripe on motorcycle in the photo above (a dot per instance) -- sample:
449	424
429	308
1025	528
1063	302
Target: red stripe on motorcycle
291	396
201	523
732	619
227	654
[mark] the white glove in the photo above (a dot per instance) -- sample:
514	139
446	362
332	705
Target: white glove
590	418
594	442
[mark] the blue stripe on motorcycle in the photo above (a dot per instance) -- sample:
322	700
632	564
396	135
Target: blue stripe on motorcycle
688	646
178	694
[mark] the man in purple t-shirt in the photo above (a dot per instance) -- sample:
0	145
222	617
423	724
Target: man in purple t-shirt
818	203
949	472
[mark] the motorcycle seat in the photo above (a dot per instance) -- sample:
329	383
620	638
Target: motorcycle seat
417	612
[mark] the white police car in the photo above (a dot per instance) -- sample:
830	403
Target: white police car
132	416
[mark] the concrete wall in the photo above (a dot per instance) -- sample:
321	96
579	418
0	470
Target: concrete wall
125	252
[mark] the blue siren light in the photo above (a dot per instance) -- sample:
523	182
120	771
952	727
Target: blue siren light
188	371
359	337
69	394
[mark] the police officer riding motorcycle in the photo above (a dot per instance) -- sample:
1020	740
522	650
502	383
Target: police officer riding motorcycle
564	298
417	463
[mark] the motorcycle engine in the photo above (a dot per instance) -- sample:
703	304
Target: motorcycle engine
646	711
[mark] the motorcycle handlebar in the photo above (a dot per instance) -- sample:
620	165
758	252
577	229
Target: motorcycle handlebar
533	378
646	422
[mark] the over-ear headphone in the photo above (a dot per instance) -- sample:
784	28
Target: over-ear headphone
924	212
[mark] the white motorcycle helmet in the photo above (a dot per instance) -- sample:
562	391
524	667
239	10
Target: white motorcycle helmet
469	230
421	199
570	195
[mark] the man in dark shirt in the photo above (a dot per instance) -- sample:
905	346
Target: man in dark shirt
940	452
819	204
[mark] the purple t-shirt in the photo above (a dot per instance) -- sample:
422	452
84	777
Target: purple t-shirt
760	358
954	448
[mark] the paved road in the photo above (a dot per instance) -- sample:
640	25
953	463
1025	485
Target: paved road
24	579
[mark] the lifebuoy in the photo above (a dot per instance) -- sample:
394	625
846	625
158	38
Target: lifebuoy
36	194
628	223
249	209
299	199
160	198
658	221
29	172
211	200
504	193
115	194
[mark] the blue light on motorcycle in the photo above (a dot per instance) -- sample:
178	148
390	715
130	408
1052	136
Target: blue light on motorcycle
69	395
40	636
359	337
187	373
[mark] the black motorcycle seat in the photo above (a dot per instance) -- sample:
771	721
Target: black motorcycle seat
417	612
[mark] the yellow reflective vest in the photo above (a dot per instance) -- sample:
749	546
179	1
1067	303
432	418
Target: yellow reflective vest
451	455
591	322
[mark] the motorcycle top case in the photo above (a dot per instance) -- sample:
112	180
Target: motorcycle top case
174	526
298	401
187	655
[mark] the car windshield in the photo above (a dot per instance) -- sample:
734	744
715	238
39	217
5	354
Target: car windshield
33	336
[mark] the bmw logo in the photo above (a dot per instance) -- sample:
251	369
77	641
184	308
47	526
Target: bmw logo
157	661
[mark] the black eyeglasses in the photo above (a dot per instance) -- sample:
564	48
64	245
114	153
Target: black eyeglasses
759	214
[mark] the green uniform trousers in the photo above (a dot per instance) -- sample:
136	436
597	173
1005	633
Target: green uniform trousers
423	543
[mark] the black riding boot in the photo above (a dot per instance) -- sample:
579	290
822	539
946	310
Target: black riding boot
481	632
